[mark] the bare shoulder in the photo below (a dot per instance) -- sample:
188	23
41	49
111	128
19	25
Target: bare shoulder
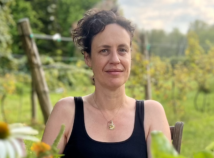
63	110
154	111
65	105
155	118
153	107
62	113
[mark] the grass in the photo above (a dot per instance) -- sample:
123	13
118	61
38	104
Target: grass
198	128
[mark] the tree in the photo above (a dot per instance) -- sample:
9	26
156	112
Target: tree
200	65
205	33
58	16
6	20
23	9
166	44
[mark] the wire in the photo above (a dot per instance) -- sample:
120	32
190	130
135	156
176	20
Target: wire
49	37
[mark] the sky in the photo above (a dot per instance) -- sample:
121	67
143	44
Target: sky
167	14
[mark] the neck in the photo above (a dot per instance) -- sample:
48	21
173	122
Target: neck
110	100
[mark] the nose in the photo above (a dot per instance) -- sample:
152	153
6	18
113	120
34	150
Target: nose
114	57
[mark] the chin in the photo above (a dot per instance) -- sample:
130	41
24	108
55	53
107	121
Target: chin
115	84
112	83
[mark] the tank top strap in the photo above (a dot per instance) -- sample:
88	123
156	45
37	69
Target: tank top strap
140	111
139	118
78	127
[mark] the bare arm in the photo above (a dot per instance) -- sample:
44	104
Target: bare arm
63	113
155	119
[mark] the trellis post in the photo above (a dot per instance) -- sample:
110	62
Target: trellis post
143	47
37	72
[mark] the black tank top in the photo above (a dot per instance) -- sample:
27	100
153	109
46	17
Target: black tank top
80	145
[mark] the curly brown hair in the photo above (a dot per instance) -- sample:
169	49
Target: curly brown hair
93	22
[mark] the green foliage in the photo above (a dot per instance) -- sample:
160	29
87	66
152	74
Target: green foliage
58	17
7	62
166	44
210	147
200	67
168	83
59	136
203	154
7	84
173	44
6	20
205	33
23	9
46	17
161	72
138	76
173	79
161	148
63	76
53	152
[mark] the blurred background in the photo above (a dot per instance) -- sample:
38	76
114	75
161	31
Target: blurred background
172	60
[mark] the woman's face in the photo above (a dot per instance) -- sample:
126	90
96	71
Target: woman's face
110	57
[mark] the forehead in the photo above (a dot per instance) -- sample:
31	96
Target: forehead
113	34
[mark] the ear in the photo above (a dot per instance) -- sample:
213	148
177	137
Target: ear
87	59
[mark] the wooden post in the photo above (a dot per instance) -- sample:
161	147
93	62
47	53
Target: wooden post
148	88
36	67
33	101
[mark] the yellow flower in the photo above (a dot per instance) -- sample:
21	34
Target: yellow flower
41	147
4	130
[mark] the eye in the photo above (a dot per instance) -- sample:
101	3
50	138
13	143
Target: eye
104	51
122	50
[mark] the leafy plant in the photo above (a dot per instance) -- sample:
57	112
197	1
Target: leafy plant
162	148
43	150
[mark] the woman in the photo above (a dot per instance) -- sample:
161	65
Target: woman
107	123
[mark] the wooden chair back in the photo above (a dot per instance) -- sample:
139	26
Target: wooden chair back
176	135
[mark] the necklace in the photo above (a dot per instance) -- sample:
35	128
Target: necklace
110	123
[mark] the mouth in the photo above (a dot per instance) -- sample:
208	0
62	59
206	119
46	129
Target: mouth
114	71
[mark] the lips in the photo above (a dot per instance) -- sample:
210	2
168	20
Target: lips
114	71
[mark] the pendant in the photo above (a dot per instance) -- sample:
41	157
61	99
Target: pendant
111	125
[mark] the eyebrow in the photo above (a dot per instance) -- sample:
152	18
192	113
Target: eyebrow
107	46
104	46
123	45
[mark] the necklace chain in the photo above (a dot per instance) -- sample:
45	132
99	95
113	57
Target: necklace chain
110	122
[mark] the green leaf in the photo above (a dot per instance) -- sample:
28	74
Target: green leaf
56	141
58	155
210	147
161	147
204	154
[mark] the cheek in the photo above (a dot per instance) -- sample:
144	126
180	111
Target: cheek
98	65
130	65
129	62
